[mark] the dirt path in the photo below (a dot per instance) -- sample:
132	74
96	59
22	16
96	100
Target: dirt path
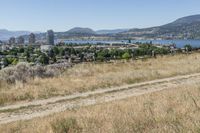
40	108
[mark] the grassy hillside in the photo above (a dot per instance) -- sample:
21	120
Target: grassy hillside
91	76
174	110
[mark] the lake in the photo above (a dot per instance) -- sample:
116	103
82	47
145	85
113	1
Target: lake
179	43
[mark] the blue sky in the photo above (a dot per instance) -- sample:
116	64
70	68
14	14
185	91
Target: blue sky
61	15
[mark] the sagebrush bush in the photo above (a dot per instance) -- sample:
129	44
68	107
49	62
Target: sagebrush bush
43	72
24	72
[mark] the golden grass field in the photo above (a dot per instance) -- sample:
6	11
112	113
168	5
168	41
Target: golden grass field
176	110
90	76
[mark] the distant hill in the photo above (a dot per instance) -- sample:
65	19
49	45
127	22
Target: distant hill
182	28
187	20
81	31
115	31
5	34
75	33
186	27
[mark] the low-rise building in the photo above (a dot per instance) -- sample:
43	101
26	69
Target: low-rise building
45	48
4	47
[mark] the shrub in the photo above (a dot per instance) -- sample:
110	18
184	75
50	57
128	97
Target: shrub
5	62
44	59
22	72
68	125
100	58
126	56
188	47
14	62
42	72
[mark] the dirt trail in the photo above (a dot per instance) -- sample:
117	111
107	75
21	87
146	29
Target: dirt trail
40	108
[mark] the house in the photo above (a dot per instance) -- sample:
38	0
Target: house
4	47
89	57
45	48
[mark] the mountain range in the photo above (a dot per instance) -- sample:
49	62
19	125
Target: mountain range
182	28
114	31
5	34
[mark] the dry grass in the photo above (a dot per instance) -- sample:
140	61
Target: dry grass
174	110
84	77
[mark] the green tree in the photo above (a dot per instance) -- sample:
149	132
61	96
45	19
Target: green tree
27	53
188	47
44	59
13	51
51	53
21	50
100	57
62	52
113	53
54	59
126	56
14	62
5	62
56	50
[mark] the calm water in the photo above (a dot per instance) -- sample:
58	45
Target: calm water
179	43
88	42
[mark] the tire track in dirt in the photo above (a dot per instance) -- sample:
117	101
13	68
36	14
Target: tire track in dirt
41	108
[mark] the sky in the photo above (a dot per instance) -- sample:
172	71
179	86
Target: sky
62	15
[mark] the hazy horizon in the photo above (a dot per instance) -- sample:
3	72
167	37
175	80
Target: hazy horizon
62	15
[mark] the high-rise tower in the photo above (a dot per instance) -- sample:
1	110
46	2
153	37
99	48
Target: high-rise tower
50	37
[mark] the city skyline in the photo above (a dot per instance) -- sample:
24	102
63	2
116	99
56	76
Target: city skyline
62	15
